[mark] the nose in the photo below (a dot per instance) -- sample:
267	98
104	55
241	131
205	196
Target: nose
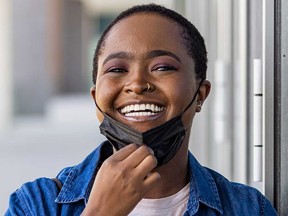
138	82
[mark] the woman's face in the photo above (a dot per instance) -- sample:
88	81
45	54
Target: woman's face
141	49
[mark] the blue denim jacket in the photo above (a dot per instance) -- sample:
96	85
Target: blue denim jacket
210	193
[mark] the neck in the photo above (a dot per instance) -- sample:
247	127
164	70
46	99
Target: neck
174	174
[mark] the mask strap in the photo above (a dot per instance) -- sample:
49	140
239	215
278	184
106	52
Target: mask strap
98	107
193	97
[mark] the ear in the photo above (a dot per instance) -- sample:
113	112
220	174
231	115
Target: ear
204	91
93	95
93	92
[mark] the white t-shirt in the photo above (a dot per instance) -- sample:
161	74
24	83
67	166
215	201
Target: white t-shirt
168	206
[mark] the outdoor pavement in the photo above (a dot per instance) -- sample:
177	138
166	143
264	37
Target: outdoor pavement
41	146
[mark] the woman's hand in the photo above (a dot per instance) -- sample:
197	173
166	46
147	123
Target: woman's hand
122	181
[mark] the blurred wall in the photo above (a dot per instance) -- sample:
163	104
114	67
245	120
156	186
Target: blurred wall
48	52
6	99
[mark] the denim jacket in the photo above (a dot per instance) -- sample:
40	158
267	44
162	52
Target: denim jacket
210	193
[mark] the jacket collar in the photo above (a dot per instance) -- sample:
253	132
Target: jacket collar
78	181
203	188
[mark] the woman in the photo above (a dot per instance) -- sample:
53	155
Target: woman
150	80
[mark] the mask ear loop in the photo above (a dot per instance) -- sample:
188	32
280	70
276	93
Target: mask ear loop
99	107
193	97
191	104
103	113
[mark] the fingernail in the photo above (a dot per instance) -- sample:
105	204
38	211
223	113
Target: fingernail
151	151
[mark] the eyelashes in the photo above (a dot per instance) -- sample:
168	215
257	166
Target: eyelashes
165	68
116	70
160	68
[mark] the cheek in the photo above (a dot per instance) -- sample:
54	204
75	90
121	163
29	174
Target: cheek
180	92
106	92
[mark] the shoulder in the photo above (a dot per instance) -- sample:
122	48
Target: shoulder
43	197
22	201
241	197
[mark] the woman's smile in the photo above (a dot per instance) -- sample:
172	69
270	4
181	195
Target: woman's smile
141	111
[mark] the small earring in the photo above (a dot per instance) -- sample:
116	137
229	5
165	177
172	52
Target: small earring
199	106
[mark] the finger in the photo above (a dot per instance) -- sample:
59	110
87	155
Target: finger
135	158
151	180
125	152
146	166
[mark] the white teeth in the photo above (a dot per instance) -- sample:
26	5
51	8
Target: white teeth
142	107
140	114
133	110
136	107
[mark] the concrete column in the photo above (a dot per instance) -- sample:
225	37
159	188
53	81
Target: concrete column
281	107
240	44
6	106
32	84
55	43
195	12
73	79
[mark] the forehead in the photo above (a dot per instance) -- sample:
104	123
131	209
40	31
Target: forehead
145	30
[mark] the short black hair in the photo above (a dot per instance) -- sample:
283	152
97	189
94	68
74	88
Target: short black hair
192	38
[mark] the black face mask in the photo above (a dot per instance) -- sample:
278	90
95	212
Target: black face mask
165	140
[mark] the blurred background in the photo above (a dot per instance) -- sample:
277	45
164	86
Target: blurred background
48	121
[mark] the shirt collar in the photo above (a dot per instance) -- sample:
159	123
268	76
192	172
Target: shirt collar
202	188
79	180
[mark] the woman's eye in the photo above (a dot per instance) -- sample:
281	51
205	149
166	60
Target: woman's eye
164	68
117	70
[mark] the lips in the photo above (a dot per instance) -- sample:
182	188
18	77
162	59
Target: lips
141	110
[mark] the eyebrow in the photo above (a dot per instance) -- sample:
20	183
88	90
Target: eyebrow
150	55
120	55
157	53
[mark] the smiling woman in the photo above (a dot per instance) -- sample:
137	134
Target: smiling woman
150	81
